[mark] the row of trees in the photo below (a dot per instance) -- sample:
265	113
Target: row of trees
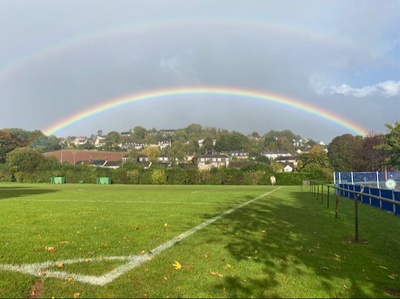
18	169
370	153
21	159
213	139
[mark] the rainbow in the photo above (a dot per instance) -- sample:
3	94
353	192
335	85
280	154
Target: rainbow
208	90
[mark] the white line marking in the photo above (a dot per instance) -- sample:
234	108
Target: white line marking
133	261
133	202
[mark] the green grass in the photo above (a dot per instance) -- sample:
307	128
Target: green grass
286	244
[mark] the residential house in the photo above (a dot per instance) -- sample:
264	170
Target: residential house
288	163
240	154
289	167
274	155
142	158
164	144
287	159
167	133
125	134
163	159
79	140
215	160
129	145
201	141
100	141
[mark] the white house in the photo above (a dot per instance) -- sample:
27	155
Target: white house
215	160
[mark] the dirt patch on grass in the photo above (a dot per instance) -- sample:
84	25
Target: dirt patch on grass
36	290
354	241
392	292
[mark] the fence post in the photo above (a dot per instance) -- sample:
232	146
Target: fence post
322	193
355	215
327	201
337	203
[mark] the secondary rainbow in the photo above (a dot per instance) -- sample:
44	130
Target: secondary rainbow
208	90
164	26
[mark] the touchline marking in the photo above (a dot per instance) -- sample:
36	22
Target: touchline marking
130	201
132	261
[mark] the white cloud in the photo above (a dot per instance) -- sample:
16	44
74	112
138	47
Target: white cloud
171	63
388	89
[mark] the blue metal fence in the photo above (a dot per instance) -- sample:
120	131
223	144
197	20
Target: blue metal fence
391	195
368	179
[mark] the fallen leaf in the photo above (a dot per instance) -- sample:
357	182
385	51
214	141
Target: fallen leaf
60	264
50	249
69	278
228	266
76	295
216	274
177	265
383	267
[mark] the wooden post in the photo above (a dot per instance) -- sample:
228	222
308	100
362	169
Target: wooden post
327	201
355	216
322	193
337	203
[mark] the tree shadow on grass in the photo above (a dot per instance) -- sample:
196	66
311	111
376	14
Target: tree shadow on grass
18	191
284	240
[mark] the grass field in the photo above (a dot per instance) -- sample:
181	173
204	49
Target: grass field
191	241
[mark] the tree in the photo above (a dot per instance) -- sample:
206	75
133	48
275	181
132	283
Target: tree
153	153
193	146
139	133
32	138
280	141
25	159
368	154
194	130
112	140
177	152
341	152
8	142
50	143
316	157
232	142
208	145
392	145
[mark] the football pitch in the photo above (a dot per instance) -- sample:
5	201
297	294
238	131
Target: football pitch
125	241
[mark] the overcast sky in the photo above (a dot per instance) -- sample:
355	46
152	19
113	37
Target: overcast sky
58	58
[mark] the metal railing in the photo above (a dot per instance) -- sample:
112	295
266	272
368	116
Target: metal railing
317	189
